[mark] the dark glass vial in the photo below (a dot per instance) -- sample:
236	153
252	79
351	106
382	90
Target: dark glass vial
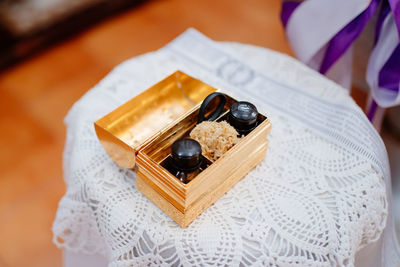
243	117
186	159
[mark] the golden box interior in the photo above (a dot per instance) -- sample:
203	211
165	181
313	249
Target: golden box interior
123	131
160	149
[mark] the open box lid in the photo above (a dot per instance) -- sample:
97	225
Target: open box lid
126	129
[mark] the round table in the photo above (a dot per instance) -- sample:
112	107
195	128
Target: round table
318	199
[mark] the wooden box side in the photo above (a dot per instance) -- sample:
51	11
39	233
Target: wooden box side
184	218
183	195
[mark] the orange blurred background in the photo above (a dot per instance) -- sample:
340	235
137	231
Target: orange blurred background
37	93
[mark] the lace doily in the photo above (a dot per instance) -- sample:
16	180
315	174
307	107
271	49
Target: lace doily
317	198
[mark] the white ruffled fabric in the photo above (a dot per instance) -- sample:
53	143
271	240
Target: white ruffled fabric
317	198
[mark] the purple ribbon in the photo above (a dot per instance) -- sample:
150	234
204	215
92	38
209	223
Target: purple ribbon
389	75
385	10
288	7
395	7
372	110
345	37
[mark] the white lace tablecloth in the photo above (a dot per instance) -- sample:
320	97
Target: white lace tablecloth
319	197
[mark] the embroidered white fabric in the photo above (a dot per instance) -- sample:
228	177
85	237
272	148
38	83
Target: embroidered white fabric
317	198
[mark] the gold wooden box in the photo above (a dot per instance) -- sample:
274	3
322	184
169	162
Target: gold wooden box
140	133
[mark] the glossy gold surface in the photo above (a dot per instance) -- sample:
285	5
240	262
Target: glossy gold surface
123	131
184	202
143	130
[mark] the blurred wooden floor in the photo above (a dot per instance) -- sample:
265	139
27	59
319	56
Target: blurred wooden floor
37	93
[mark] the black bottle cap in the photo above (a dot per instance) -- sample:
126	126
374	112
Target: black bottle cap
243	116
186	154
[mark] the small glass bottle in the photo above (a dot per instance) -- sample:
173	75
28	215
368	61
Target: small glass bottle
186	159
243	117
